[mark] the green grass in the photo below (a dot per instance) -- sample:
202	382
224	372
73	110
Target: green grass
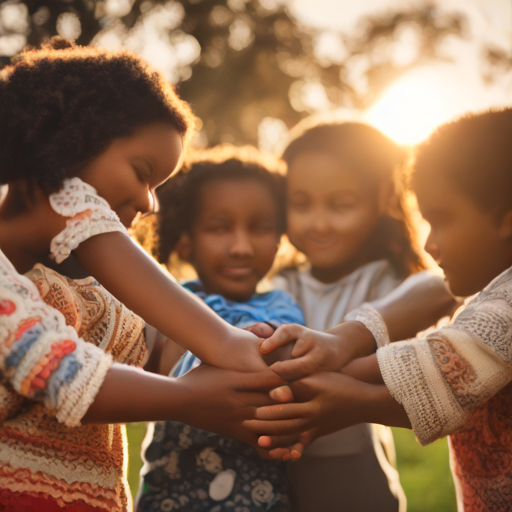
424	471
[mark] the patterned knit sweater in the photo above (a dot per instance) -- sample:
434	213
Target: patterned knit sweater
456	381
49	379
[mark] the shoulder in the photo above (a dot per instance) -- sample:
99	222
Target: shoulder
282	307
383	278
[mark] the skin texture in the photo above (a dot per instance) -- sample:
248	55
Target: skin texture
331	216
234	238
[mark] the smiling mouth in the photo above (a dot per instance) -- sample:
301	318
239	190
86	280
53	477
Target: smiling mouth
322	243
237	271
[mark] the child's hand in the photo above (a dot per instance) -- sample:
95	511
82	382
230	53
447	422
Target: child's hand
326	402
261	329
313	351
316	350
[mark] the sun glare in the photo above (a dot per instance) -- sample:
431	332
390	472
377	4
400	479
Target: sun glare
410	109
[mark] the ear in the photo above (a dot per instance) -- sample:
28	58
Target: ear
184	248
505	226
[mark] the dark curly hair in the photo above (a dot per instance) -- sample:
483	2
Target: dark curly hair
179	196
62	105
475	153
366	151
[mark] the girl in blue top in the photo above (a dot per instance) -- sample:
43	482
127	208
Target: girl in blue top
224	214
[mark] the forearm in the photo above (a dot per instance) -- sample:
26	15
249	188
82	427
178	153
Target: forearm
383	409
355	341
143	286
129	394
418	303
365	369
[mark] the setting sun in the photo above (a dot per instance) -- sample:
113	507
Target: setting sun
410	109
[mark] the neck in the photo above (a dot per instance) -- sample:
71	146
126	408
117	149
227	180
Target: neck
337	272
25	234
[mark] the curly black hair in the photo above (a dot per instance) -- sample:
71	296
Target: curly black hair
366	151
62	105
475	153
179	196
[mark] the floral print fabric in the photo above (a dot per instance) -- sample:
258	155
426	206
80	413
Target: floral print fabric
191	470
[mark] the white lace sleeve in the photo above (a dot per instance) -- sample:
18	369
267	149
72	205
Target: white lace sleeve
89	214
373	321
441	378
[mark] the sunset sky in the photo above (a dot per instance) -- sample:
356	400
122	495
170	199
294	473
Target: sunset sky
414	105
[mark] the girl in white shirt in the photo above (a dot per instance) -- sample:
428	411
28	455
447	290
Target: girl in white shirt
348	218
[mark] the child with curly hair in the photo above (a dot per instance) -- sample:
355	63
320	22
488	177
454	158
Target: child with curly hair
224	213
86	135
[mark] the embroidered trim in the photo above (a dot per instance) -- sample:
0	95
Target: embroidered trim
373	321
90	215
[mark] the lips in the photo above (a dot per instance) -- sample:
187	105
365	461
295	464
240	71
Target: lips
237	271
321	243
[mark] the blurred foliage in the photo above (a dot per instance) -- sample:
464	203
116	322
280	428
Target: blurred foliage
241	61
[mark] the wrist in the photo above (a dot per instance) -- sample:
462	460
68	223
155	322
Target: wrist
354	341
373	321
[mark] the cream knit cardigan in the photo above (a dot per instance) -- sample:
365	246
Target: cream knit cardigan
441	378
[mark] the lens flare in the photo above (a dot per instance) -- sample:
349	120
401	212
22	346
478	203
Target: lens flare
410	109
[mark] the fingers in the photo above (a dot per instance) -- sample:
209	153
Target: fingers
279	441
294	369
282	394
283	335
284	411
266	380
277	428
261	330
286	454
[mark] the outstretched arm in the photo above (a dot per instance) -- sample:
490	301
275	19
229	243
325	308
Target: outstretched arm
419	301
134	278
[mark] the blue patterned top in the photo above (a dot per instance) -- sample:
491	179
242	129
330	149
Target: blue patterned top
191	470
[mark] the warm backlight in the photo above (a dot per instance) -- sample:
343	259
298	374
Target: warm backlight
409	110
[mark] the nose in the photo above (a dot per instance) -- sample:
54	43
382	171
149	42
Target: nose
145	202
318	221
241	246
431	247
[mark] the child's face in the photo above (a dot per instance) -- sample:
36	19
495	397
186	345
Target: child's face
331	213
469	244
234	238
128	171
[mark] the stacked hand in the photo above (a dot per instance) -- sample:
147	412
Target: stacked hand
332	382
298	354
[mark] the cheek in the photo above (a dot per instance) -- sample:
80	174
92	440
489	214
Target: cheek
295	223
265	250
355	224
207	248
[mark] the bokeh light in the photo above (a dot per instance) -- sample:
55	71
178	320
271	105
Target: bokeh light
411	108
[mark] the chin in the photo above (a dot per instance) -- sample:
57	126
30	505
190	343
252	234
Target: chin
464	289
237	293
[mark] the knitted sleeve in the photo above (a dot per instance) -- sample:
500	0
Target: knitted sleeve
440	379
89	215
41	358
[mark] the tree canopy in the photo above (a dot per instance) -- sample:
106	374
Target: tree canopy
239	62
